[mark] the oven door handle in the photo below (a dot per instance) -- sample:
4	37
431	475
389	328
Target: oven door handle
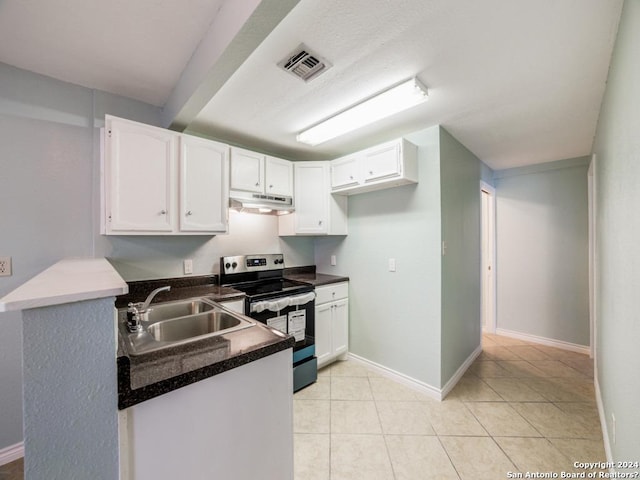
278	304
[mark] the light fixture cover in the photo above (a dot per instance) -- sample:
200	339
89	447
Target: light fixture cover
384	104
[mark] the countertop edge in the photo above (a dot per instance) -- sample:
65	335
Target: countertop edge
69	280
128	397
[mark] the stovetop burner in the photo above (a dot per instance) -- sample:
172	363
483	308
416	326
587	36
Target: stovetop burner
259	276
269	286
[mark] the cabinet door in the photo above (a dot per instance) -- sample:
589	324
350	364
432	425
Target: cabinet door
139	168
247	170
340	327
344	173
323	326
382	162
278	177
204	197
312	202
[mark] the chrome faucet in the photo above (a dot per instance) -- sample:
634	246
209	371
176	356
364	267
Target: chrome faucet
137	311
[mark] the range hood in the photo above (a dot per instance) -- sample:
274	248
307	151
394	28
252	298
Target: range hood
260	203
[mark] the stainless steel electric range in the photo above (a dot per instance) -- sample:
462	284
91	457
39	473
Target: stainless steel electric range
286	305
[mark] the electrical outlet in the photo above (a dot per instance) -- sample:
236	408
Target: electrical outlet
392	264
5	266
334	261
188	266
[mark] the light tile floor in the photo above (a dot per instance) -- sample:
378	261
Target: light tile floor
520	407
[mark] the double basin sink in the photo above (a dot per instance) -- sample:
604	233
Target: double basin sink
180	322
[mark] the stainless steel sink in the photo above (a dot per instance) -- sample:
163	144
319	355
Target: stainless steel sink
176	323
180	308
195	326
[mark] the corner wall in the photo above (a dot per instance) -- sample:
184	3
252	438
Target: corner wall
395	316
617	177
460	175
542	248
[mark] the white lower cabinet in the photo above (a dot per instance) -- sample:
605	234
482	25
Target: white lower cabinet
215	428
331	322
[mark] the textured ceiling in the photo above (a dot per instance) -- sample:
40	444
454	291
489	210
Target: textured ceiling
516	82
136	48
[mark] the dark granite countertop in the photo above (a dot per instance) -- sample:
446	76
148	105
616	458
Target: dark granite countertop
182	287
310	276
142	377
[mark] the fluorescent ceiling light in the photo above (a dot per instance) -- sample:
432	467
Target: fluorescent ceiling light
385	104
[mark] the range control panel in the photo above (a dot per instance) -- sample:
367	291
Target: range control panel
251	263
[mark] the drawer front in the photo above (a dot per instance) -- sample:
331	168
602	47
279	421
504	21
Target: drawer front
329	293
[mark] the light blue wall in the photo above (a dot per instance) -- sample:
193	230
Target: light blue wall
542	250
460	175
617	149
70	392
49	206
395	316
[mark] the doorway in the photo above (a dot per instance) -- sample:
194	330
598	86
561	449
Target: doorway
488	255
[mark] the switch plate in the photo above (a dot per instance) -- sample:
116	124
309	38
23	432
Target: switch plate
5	266
188	266
334	261
392	264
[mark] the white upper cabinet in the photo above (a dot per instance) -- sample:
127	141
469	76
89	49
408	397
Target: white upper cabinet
388	165
159	182
139	170
279	176
204	195
247	170
345	172
258	173
317	211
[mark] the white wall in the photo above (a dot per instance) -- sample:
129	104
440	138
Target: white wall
617	150
542	251
395	316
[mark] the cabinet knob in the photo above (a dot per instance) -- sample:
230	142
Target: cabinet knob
270	186
320	222
350	177
257	184
189	213
370	172
163	212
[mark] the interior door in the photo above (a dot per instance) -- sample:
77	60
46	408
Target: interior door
487	196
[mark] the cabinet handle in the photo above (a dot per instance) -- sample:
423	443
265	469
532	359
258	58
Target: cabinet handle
188	213
163	212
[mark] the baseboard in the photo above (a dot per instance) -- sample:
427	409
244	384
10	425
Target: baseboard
549	342
405	380
460	372
603	421
11	453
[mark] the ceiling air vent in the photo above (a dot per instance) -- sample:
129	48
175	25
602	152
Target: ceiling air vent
304	64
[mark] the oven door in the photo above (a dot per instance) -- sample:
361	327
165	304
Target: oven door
294	315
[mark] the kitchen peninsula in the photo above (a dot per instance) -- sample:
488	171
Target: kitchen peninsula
72	425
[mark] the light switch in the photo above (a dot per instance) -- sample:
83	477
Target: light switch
392	264
333	260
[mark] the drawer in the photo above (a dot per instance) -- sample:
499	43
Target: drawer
329	293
